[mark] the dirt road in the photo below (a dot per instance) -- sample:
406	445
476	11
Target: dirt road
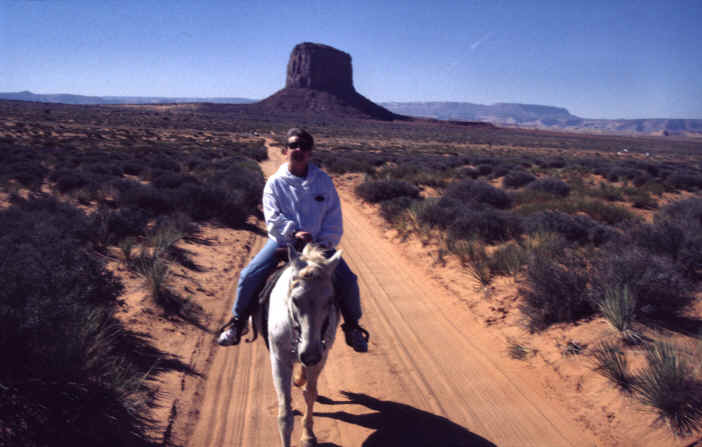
431	378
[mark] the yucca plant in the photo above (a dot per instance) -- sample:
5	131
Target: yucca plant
612	364
474	257
618	305
669	386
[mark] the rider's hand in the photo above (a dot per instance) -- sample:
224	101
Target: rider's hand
304	236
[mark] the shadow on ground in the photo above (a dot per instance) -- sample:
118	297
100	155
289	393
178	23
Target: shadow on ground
399	424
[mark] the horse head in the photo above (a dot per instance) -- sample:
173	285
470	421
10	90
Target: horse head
311	299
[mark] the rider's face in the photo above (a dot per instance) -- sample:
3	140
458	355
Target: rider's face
298	152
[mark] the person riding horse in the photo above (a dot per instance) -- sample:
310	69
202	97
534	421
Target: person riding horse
300	204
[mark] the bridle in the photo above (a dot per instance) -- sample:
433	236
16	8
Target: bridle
297	328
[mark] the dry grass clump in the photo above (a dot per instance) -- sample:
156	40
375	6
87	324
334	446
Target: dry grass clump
612	363
518	350
618	306
669	386
375	191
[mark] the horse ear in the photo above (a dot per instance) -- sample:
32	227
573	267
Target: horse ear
334	260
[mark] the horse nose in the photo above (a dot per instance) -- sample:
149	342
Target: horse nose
310	358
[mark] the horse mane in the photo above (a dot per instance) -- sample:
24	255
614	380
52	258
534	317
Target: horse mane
313	256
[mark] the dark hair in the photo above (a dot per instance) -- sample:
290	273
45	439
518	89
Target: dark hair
302	135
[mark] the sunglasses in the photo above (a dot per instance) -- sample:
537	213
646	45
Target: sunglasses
298	145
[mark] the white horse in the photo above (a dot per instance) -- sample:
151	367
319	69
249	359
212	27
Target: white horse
302	321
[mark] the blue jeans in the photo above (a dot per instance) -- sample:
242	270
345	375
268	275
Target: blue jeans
254	275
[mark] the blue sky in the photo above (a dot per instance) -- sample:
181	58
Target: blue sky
599	59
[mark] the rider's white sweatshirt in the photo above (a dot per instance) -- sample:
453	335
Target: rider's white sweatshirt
311	204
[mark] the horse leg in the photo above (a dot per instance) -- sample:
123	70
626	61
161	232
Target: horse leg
282	373
310	393
299	377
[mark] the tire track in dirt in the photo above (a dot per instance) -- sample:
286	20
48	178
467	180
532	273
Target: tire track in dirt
427	356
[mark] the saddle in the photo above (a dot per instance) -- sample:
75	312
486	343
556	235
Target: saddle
259	310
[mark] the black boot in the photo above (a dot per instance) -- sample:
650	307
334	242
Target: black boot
356	336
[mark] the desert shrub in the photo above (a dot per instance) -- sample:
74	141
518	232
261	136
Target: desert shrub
439	213
392	209
601	212
484	169
47	211
607	192
660	289
501	170
556	290
517	179
112	226
641	179
133	168
488	225
67	379
622	173
611	363
201	202
556	163
688	210
254	150
472	192
531	200
69	180
172	180
665	237
468	172
379	190
29	173
552	186
235	208
641	199
342	165
686	181
147	198
164	163
596	209
243	182
104	169
508	259
679	239
689	259
668	385
580	229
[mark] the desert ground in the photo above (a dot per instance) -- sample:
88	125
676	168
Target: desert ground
439	371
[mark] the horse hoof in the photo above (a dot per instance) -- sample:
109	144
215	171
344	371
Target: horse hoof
309	442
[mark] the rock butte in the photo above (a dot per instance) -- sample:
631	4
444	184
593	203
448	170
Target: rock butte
320	80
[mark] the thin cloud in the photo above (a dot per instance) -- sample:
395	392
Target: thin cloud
474	46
